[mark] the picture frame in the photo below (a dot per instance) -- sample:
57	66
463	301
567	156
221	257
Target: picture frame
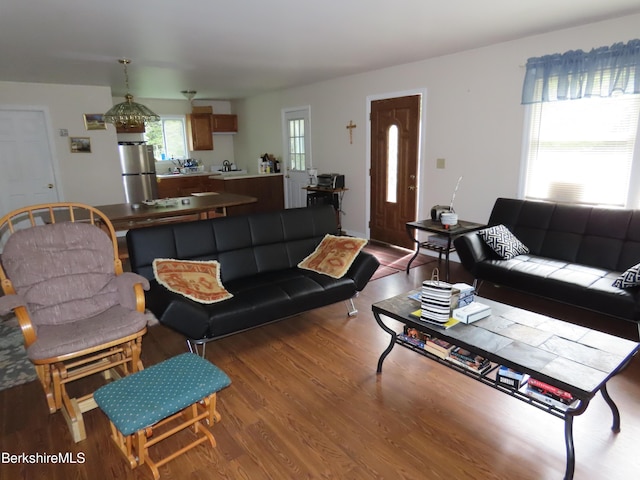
80	144
94	121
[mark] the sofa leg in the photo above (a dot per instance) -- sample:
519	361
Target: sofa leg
352	311
193	347
477	285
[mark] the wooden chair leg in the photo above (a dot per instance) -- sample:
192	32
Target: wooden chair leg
44	375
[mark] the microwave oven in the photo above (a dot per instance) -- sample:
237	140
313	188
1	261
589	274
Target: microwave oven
331	180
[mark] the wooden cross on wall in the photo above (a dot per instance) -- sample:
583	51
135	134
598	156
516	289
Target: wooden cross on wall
350	127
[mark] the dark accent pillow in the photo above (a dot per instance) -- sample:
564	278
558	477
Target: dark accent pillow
630	278
503	242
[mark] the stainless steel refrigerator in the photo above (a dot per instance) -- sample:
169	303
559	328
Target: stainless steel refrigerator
138	171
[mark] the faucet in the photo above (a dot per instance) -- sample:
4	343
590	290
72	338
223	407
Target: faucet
226	166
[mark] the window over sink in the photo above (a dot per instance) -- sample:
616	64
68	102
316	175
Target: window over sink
168	137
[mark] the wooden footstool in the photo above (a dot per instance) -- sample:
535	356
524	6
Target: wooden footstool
181	390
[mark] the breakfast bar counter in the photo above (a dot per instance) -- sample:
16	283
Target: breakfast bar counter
124	216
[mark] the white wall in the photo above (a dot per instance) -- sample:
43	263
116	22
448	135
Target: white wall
473	119
92	178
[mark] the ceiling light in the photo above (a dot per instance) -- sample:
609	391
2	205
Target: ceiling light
189	94
129	114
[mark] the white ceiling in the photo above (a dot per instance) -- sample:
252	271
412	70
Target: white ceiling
237	48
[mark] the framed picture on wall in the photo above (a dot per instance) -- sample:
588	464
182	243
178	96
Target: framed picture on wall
94	121
80	144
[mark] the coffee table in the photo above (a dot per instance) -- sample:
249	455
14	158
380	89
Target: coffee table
434	226
576	359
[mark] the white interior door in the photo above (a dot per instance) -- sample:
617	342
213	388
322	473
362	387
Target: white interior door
297	151
26	160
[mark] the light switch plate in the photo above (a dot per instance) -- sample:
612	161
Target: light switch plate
439	162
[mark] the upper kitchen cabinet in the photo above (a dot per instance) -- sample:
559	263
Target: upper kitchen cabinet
224	123
199	128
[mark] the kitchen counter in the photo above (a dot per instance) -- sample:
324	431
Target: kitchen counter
217	175
246	175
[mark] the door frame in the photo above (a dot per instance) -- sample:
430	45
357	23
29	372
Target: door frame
55	165
421	135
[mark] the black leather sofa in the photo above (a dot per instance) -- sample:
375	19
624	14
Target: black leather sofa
258	255
575	254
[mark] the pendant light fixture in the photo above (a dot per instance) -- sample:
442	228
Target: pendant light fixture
129	114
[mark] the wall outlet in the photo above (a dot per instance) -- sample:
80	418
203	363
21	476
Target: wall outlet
439	162
64	132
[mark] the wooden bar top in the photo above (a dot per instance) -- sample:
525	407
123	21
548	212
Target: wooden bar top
124	216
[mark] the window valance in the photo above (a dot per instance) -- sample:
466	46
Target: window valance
577	74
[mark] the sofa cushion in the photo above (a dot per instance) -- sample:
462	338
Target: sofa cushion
628	279
197	280
503	242
334	255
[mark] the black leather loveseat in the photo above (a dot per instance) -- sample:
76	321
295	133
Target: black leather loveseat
258	255
575	254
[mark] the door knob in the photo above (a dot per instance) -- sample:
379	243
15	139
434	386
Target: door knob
412	187
50	185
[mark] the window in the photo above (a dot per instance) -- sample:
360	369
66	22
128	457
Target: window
168	137
581	151
392	164
580	144
298	149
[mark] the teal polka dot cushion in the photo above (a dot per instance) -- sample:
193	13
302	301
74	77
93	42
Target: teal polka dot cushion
146	397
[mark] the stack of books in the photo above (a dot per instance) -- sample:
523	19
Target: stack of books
465	296
439	241
469	360
436	301
545	393
510	377
440	348
431	344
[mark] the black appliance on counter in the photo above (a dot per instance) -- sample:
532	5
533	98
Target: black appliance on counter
331	180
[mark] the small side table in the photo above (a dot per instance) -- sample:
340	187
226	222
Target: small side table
324	195
434	226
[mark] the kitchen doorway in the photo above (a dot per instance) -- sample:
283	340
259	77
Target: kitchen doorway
26	159
394	186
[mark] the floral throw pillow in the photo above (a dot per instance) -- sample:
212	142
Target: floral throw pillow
503	242
197	280
630	278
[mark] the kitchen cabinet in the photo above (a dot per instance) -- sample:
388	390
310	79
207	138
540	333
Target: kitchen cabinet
222	123
182	185
199	131
268	189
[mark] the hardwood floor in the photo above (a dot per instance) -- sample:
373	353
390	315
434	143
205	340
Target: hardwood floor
305	403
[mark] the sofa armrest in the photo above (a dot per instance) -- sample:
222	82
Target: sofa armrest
471	249
362	269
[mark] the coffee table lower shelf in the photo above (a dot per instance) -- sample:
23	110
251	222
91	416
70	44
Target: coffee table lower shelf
487	379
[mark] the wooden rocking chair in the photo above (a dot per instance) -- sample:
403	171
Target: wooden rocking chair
79	313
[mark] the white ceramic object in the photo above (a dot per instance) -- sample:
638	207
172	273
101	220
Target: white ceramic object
449	218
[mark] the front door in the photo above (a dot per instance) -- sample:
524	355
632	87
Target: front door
395	134
26	160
